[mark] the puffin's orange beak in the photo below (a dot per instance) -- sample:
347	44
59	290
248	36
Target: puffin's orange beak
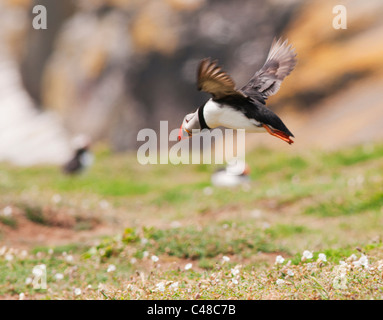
279	134
180	134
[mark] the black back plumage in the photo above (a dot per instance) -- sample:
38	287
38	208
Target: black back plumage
255	109
75	165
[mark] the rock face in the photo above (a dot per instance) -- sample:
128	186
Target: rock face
127	65
27	136
334	97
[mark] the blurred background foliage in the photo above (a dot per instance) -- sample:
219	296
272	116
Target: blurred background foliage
108	68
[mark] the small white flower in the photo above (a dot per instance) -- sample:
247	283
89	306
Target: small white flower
8	257
56	198
353	257
133	260
235	281
322	257
279	259
225	258
280	282
154	258
307	255
59	276
340	279
234	271
145	254
363	261
174	286
290	273
111	268
77	291
104	204
356	263
7	211
28	280
21	296
38	270
69	258
343	268
256	213
160	286
188	266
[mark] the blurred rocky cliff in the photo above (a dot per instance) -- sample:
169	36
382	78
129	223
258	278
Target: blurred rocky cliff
111	68
334	97
108	68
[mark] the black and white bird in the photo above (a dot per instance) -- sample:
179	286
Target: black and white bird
243	108
82	157
234	174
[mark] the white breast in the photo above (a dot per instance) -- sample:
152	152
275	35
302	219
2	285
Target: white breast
217	115
86	159
222	179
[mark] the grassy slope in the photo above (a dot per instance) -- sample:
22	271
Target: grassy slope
328	203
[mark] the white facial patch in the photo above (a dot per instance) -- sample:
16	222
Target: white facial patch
191	122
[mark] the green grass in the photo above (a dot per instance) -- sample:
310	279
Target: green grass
361	202
209	242
287	230
8	221
34	213
356	155
324	202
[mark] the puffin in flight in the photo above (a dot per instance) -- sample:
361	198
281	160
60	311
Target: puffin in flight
243	108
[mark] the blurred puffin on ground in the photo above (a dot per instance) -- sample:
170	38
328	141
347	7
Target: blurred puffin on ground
82	156
236	173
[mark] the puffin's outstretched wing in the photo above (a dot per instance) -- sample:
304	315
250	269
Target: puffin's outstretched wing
212	79
279	63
